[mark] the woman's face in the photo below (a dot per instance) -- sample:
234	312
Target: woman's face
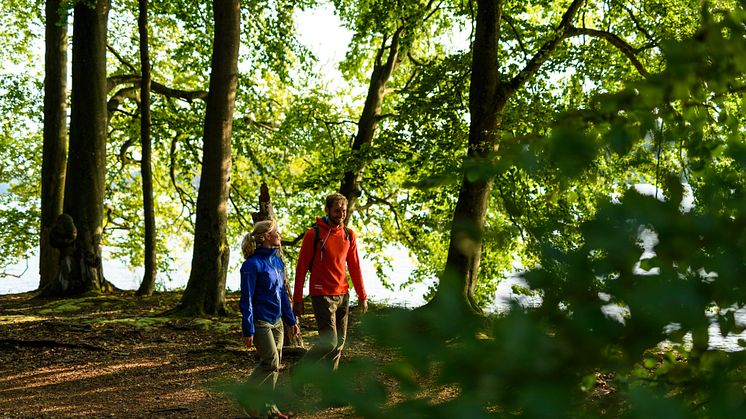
272	238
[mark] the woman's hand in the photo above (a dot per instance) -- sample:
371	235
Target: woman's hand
248	341
298	309
295	331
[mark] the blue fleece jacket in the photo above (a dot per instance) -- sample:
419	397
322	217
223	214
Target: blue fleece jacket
263	295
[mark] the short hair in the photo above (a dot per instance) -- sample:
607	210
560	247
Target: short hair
251	240
334	198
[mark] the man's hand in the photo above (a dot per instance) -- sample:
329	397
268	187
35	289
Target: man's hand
248	341
363	306
298	309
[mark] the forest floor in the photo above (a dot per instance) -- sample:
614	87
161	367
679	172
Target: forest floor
115	356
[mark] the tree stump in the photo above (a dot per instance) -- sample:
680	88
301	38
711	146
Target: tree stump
267	212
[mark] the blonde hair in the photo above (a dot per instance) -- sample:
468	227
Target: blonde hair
256	237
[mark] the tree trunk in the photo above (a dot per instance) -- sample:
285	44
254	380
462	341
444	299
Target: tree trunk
488	95
267	212
205	291
486	101
55	136
148	281
86	165
366	126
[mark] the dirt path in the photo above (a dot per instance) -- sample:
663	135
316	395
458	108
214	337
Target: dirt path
107	356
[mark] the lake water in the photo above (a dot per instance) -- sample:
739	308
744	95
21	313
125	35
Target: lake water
412	296
127	279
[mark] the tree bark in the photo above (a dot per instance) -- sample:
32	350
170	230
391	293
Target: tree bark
148	281
366	126
267	212
86	165
205	291
55	135
485	105
488	95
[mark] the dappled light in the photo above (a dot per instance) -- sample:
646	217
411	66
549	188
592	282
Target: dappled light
560	186
71	391
567	355
93	366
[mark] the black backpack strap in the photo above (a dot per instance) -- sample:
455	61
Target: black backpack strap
317	239
315	243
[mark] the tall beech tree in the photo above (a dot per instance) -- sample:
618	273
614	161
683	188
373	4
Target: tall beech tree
205	291
490	91
149	261
385	63
54	155
86	164
416	128
399	30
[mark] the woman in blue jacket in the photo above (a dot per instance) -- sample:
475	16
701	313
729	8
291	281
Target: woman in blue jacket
264	302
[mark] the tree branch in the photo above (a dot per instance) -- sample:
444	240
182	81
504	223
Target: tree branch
116	226
123	158
542	54
385	115
637	23
116	80
416	61
373	200
329	132
119	97
187	95
412	76
242	220
121	59
267	125
393	60
616	41
518	37
46	343
186	201
293	242
4	273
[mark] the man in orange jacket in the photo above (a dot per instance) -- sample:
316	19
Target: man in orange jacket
328	248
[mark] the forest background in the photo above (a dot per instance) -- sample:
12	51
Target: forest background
525	147
320	30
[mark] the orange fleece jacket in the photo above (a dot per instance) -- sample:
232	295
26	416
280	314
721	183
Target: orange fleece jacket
328	275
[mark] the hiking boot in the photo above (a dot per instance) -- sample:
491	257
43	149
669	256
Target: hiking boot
274	413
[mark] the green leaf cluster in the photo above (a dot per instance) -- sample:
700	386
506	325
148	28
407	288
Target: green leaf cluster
631	284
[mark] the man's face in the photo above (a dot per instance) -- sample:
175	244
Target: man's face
337	213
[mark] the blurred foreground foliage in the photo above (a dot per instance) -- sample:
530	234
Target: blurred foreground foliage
572	356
